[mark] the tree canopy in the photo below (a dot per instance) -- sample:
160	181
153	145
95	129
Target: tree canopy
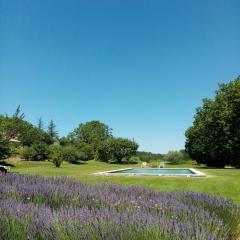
214	138
120	148
91	140
25	132
93	132
52	129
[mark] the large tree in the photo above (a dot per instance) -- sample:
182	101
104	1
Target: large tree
93	133
120	148
214	138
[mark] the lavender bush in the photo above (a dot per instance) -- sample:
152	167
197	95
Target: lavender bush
34	207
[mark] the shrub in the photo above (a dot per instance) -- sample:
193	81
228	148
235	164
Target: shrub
174	157
26	153
134	159
85	151
36	152
56	155
71	154
148	156
5	151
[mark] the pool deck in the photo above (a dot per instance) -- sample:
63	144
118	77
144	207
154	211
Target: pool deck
196	173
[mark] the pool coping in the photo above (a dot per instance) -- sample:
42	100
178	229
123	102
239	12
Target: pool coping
196	173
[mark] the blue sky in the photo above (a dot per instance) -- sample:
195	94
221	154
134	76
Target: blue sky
140	66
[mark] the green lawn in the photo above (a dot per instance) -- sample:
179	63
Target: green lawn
223	182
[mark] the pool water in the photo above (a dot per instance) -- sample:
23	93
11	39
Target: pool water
156	171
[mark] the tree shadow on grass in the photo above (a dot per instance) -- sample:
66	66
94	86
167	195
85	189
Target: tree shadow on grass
79	163
213	168
4	163
123	163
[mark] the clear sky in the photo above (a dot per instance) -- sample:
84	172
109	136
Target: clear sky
140	66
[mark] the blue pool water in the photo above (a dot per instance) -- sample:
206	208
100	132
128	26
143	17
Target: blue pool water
156	171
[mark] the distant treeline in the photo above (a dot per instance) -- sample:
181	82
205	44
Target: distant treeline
90	140
174	157
148	156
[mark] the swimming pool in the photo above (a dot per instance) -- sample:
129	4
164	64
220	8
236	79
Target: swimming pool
187	172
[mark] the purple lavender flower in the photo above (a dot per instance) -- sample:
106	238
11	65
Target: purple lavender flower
34	207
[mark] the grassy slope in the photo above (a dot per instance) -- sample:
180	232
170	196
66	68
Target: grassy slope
223	182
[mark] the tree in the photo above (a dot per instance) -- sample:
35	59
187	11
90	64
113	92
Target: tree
56	155
85	150
214	138
25	132
93	133
40	124
148	156
71	154
52	129
18	114
36	152
31	135
120	148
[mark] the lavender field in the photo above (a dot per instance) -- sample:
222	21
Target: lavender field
34	207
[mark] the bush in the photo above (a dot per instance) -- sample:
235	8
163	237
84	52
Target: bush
26	153
85	151
174	157
102	153
71	154
36	152
56	155
148	156
134	159
4	150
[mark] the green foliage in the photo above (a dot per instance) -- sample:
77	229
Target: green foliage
18	114
85	151
40	124
174	157
56	155
214	138
102	153
26	133
148	156
36	152
88	139
134	159
119	148
93	132
71	154
186	156
5	151
26	153
52	129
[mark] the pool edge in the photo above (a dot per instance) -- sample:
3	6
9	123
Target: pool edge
196	173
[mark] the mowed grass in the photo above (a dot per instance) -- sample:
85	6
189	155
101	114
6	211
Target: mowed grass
221	182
